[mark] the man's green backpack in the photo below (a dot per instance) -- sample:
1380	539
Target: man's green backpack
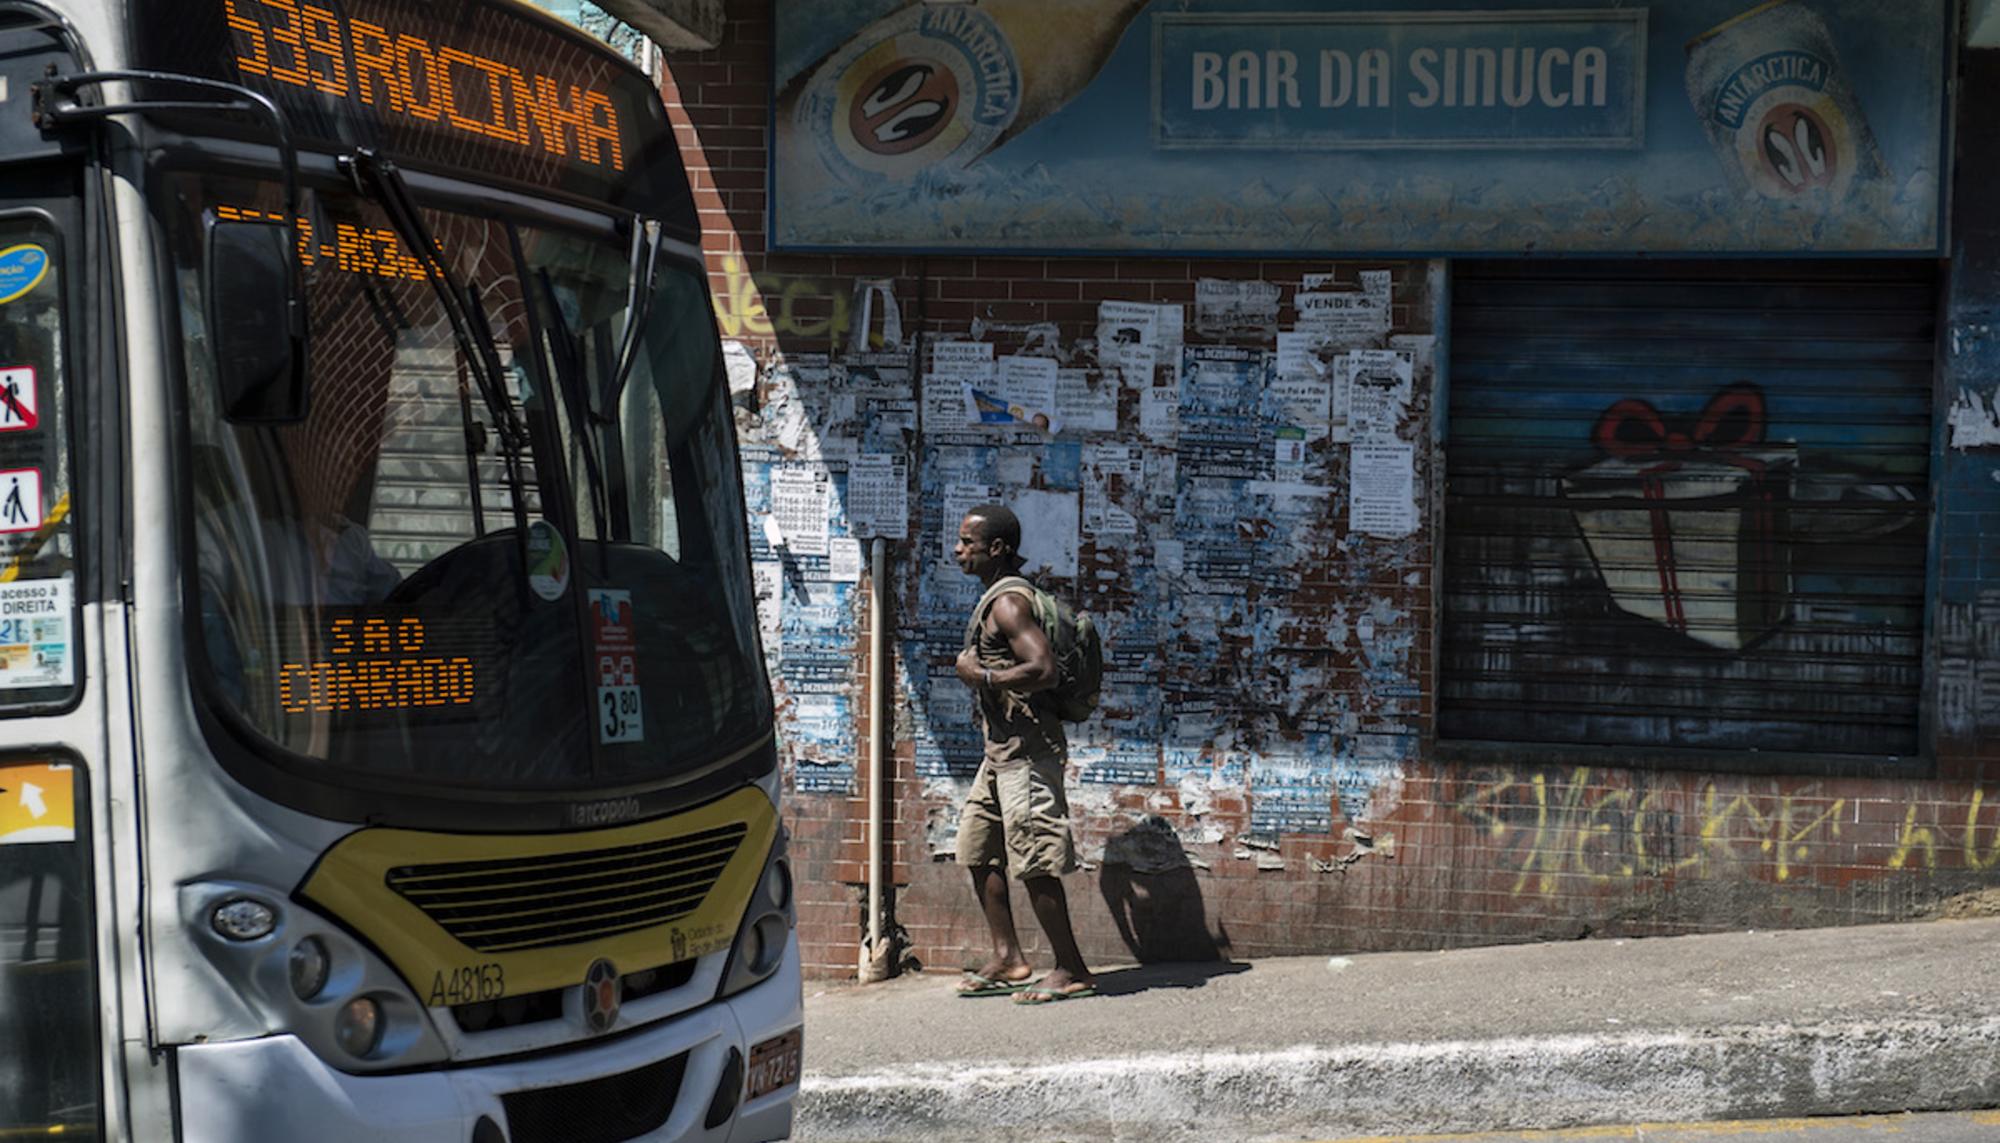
1078	647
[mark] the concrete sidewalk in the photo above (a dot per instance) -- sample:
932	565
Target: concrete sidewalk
1728	1026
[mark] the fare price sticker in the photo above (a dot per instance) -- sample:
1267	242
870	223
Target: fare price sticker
620	713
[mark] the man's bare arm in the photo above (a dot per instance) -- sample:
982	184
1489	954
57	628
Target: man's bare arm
1036	670
1014	618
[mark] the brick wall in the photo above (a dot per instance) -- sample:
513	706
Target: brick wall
1412	851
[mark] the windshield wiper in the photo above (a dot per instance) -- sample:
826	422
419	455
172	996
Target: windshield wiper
638	301
376	177
563	353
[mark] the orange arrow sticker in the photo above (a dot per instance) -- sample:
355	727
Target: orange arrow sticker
37	804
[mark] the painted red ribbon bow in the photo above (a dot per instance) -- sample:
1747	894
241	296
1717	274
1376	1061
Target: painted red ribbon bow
1733	419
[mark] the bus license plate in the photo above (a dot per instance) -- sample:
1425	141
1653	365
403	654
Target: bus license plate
775	1063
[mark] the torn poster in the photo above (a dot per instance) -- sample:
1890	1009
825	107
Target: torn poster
1289	455
1292	792
1422	348
799	505
888	424
1049	531
1122	326
874	296
1301	393
1382	499
1379	393
1344	318
1380	286
992	410
1061	465
878	496
1086	401
1235	309
879	374
1111	485
1170	331
1160	413
1141	363
741	364
1974	423
1029	381
843	560
955	366
768	576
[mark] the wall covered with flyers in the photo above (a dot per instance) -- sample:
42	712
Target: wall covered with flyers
1376	585
1234	487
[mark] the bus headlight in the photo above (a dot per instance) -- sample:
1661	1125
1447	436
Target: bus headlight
767	924
358	1029
306	977
308	968
243	919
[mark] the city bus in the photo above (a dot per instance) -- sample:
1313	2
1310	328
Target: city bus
385	747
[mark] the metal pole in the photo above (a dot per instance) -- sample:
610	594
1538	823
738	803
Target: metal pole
878	751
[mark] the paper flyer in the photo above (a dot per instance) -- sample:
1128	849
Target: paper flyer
1382	489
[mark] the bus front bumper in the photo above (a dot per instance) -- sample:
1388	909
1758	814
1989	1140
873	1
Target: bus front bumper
255	1091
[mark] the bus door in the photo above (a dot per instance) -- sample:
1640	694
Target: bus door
51	1065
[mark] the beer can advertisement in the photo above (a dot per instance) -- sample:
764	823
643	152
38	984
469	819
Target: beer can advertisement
1389	126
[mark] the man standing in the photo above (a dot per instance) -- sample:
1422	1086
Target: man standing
1017	817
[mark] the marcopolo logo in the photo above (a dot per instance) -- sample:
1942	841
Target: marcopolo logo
605	812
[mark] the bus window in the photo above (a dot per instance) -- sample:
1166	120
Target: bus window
441	576
49	1064
37	549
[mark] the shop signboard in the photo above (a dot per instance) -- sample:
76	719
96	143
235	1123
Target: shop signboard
1360	126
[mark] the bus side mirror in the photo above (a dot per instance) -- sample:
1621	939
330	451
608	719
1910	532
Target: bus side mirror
260	359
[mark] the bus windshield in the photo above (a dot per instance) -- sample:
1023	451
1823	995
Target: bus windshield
487	555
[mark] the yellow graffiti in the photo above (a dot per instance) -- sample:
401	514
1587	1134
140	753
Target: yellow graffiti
1603	836
1923	839
778	305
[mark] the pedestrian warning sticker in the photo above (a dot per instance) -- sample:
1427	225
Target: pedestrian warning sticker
20	499
35	644
17	399
621	717
37	803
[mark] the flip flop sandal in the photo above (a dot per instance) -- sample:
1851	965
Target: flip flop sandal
987	986
1037	994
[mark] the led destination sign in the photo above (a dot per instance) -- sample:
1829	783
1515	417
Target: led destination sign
438	82
355	249
476	89
375	664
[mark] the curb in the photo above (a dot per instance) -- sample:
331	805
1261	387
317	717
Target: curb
1488	1085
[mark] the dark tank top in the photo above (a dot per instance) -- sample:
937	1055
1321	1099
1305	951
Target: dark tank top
1017	728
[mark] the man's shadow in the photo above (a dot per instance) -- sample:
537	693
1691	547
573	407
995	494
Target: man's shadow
1150	888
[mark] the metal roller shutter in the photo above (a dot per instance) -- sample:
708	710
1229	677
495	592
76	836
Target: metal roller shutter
1687	504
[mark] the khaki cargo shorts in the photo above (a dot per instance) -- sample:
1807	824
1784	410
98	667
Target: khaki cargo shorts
1017	817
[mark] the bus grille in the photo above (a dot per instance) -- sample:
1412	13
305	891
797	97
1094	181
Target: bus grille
608	1110
514	904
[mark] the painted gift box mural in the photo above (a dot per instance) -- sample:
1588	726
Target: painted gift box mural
1688	524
